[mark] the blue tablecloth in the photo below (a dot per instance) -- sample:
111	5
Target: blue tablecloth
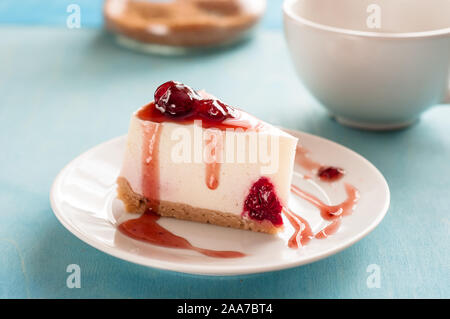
63	91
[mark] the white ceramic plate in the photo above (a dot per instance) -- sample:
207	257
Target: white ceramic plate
83	198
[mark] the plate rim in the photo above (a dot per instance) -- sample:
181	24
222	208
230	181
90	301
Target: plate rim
211	270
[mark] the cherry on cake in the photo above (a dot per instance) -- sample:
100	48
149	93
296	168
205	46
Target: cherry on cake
193	157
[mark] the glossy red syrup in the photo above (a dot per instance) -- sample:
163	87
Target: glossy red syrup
329	230
242	120
262	203
325	173
176	102
330	173
302	234
215	143
334	212
150	162
146	228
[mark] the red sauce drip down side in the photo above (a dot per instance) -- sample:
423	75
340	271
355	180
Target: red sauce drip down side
214	150
150	163
145	228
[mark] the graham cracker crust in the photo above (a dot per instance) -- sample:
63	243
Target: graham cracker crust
137	203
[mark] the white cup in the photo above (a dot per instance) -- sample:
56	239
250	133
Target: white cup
374	64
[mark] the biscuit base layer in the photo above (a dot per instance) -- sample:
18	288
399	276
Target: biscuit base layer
137	203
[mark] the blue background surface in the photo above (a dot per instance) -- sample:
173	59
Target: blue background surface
63	91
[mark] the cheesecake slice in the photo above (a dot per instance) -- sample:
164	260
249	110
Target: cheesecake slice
193	157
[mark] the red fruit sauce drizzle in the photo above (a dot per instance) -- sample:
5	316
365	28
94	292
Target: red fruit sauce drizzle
150	162
330	173
302	159
329	230
241	120
302	234
334	213
146	228
325	173
213	165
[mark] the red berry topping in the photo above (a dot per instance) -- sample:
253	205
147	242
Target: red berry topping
330	173
162	89
214	110
175	99
262	202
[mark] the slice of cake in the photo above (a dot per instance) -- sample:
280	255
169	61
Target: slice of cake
192	157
